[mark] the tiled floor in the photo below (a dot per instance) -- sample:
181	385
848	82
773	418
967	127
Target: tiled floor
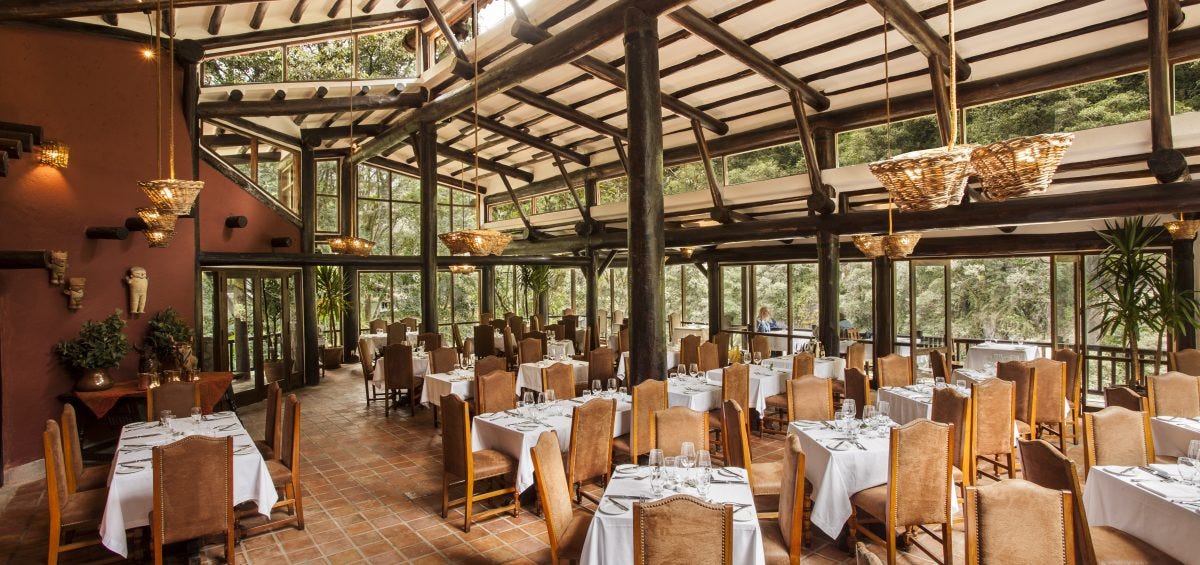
372	488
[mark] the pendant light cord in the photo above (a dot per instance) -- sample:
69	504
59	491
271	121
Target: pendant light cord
475	104
158	86
953	76
353	71
887	107
171	92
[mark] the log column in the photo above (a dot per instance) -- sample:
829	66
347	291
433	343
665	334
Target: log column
647	344
426	148
1183	265
884	288
591	282
350	316
308	238
715	308
487	290
828	285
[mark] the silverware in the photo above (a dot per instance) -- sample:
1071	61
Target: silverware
1157	473
136	461
143	435
618	504
859	445
226	428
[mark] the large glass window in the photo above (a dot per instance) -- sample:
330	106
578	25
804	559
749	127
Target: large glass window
245	68
387	54
995	299
455	211
855	299
1102	103
321	60
328	204
771	293
458	304
389	211
764	164
389	296
804	295
871	144
383	54
732	289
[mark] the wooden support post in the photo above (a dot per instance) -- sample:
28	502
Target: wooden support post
347	189
647	344
534	234
720	212
24	260
350	315
828	288
917	31
308	244
820	199
592	304
608	261
426	149
1183	269
487	289
584	227
1166	163
715	317
883	331
621	156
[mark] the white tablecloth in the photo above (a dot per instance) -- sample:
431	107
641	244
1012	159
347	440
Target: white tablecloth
987	354
437	385
764	382
680	332
868	351
672	361
973	375
1172	435
693	393
130	489
825	367
530	374
564	348
1145	509
513	435
380	339
908	404
610	537
379	378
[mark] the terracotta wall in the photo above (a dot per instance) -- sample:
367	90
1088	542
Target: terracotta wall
222	198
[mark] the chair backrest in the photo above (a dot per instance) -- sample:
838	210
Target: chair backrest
689	348
536	323
682	529
397	332
856	356
1016	521
1044	465
673	321
920	477
858	388
289	435
649	397
1116	436
802	364
193	488
1024	379
366	355
1124	397
735	437
443	360
993	409
1074	368
678	424
509	344
569	323
894	370
708	358
735	383
272	428
721	340
761	345
540	336
623	340
556	330
954	408
485	342
591	440
456	337
602	326
1173	394
178	397
1186	361
457	460
791	498
377	326
72	449
499	324
941	367
600	364
517	325
1051	379
488	364
810	398
495	392
57	492
411	323
560	378
429	340
398	363
618	317
554	492
485	318
530	350
583	339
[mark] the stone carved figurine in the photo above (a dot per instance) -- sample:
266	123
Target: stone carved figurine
57	263
74	292
138	283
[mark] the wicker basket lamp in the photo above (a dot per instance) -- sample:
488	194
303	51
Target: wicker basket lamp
1020	166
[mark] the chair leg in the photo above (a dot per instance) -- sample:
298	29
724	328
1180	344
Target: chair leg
468	505
55	535
230	551
947	545
445	495
1012	467
1062	436
891	542
298	506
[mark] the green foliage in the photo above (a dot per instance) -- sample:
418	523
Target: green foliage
763	164
871	144
1092	105
1187	87
245	68
333	59
165	330
691	177
328	177
613	190
383	55
535	280
331	297
100	345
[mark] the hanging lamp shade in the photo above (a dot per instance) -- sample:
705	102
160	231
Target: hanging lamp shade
1182	229
478	242
926	180
351	245
174	196
160	226
159	238
462	269
1020	166
870	245
900	245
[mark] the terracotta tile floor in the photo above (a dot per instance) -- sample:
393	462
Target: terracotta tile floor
372	487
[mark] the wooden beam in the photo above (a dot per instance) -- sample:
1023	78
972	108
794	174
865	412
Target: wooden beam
738	49
24	259
819	199
563	111
298	11
491	165
41	9
425	146
315	136
260	13
214	20
916	30
320	93
335	8
1174	9
375	262
533	234
515	134
310	106
225	140
107	232
369	6
110	19
583	211
941	99
306	30
720	213
447	33
411	170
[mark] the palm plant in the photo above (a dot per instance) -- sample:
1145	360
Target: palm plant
331	300
535	279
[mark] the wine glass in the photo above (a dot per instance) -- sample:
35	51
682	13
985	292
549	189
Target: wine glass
655	458
756	357
596	387
693	369
527	401
622	391
656	478
164	418
668	469
550	398
687	455
196	414
848	406
939	382
680	369
704	463
1194	449
870	414
612	385
882	409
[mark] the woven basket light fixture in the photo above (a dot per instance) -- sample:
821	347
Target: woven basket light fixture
54	153
1020	166
350	245
173	196
160	226
899	245
870	245
1182	229
462	269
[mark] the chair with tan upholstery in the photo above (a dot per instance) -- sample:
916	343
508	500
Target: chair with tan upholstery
678	424
443	360
79	477
268	446
398	363
940	365
285	471
466	352
721	340
560	378
954	408
566	526
1074	388
805	398
649	397
1116	436
495	392
782	544
856	356
894	370
570	327
1019	522
761	345
802	364
430	340
1047	467
366	355
411	323
541	336
708	357
71	513
1024	379
858	389
1173	394
689	350
1124	397
463	466
735	385
993	409
397	332
193	493
179	397
600	364
508	344
682	529
488	364
1051	393
377	326
517	325
536	323
529	350
765	478
917	494
1186	361
485	341
590	457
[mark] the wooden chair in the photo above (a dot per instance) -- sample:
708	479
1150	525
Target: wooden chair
178	397
677	424
79	477
366	356
1024	379
462	465
535	323
1186	361
1051	379
590	457
1019	522
430	340
802	364
570	327
765	478
517	325
377	326
560	378
858	389
1074	388
708	358
917	494
603	326
71	513
689	350
600	364
193	493
543	337
808	397
735	385
466	352
782	544
285	471
268	446
623	340
530	350
721	340
649	397
682	529
1116	436
489	364
761	345
397	360
397	332
856	355
411	323
443	360
583	342
940	365
485	342
1124	397
894	370
495	392
510	347
954	409
456	338
556	330
566	526
993	412
618	319
1173	394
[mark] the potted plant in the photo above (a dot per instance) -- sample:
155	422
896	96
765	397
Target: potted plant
99	347
331	305
536	279
165	331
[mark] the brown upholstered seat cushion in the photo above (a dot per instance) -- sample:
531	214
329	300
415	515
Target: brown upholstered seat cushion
489	463
873	500
714	419
774	547
92	478
265	449
621	443
85	506
570	545
768	477
1114	546
777	401
280	474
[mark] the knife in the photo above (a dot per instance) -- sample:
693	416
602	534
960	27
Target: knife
618	504
1157	473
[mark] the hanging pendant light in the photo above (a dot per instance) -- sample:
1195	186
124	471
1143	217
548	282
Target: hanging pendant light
870	245
351	244
160	226
462	269
1182	228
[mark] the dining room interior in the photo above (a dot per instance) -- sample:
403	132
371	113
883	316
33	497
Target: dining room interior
599	281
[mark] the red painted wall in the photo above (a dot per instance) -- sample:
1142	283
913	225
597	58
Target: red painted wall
97	95
222	198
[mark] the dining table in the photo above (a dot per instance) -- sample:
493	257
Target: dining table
529	375
379	377
1150	503
610	536
131	481
671	364
696	393
988	353
1173	434
437	385
681	331
825	367
557	348
764	382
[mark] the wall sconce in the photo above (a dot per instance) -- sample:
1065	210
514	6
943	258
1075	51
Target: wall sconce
54	153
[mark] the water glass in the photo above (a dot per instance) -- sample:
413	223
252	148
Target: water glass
1187	469
612	384
551	409
703	459
596	387
527	401
655	458
668	469
622	391
164	418
196	413
687	455
681	369
870	414
883	408
756	357
693	369
1194	450
848	406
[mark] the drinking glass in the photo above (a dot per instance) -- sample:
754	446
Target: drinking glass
680	369
1187	470
687	455
870	414
1194	449
756	357
546	359
527	399
550	406
848	406
655	459
939	382
668	469
164	418
196	413
703	459
883	407
622	391
596	387
693	369
612	385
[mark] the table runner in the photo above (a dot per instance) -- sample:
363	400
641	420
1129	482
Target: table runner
212	389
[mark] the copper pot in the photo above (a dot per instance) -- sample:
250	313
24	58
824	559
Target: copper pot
93	380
